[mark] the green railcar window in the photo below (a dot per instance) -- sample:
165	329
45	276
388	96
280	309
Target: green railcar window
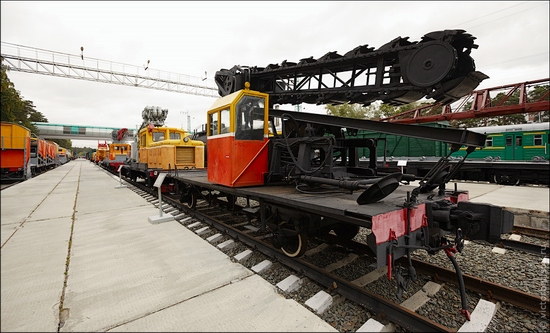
519	141
489	142
508	141
537	140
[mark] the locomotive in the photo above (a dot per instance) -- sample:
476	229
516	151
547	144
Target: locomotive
300	174
159	148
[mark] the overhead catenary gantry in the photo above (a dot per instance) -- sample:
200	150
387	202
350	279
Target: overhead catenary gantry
39	61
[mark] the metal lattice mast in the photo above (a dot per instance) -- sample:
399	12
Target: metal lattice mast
38	61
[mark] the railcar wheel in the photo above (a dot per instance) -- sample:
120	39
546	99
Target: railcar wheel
506	179
295	246
189	199
346	231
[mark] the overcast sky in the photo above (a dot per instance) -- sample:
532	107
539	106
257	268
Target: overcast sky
192	38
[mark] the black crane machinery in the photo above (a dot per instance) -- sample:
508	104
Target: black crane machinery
439	66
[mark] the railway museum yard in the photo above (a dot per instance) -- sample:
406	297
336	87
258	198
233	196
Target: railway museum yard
85	257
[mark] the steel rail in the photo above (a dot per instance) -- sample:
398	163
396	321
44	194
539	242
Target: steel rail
541	250
489	289
533	232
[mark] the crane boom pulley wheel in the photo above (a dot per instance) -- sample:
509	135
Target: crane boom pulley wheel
431	64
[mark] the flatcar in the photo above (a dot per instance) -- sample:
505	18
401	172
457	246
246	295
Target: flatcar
43	155
248	159
53	152
16	152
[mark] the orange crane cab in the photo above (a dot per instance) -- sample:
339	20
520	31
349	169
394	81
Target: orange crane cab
237	139
118	153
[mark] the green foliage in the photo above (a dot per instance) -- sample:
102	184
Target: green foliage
64	143
347	110
11	102
81	152
373	111
540	93
385	111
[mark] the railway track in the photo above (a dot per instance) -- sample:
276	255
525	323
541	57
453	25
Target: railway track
340	271
532	232
9	184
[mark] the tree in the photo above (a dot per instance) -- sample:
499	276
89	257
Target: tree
347	110
373	111
67	144
11	102
534	95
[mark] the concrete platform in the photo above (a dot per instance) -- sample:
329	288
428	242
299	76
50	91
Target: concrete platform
73	243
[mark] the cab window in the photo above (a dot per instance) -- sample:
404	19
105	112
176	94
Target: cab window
224	118
250	118
158	136
213	121
219	122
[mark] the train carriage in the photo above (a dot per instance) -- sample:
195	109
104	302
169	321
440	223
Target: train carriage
39	155
511	155
53	156
16	152
520	142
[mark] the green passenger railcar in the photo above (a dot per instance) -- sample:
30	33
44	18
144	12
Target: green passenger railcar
521	142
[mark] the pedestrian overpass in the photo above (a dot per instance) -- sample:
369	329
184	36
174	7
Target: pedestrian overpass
79	132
